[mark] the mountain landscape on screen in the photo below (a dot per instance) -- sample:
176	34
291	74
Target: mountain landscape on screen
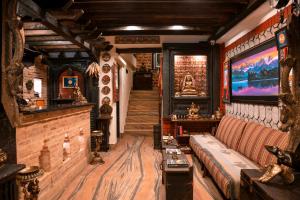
256	75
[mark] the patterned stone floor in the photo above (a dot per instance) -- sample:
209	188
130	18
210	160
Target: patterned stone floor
131	172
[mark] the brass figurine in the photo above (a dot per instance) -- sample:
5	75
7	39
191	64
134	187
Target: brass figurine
3	157
79	98
219	114
193	111
97	159
188	87
27	179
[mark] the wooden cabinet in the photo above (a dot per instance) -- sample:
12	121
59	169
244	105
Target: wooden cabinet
251	189
194	126
178	182
142	81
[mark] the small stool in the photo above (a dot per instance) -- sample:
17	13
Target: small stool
97	159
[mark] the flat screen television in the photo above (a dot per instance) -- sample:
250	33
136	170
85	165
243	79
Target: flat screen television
255	75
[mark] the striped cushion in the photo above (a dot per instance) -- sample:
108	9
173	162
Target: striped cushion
223	180
223	164
230	131
254	139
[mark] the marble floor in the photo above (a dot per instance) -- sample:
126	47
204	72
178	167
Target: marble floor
131	171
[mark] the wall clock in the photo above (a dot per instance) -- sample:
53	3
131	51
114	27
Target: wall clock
105	68
105	90
105	79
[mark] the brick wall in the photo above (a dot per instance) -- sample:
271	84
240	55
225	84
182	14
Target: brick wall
40	72
30	140
145	58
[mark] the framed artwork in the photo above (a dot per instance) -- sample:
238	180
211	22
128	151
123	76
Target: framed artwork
255	75
156	60
281	38
190	76
226	82
69	81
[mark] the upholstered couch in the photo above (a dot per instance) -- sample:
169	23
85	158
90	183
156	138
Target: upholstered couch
237	145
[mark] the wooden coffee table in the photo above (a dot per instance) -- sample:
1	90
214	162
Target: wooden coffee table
178	181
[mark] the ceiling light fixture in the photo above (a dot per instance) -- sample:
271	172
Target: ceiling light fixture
178	27
133	28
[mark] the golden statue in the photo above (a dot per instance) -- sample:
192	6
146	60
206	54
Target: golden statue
79	98
193	111
188	87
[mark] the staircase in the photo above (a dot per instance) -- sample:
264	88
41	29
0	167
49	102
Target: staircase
143	112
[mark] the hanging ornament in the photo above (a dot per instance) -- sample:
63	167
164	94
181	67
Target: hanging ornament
93	70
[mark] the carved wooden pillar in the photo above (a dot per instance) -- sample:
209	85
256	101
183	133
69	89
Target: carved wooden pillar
290	96
13	41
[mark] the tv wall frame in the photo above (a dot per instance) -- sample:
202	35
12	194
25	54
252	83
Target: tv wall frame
265	100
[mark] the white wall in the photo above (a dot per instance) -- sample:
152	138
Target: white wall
125	88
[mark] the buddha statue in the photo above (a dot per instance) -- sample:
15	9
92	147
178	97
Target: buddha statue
188	86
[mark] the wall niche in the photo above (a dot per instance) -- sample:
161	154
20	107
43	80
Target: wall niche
190	74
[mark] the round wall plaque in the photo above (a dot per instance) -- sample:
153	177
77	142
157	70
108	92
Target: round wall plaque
105	79
106	100
106	56
105	68
105	90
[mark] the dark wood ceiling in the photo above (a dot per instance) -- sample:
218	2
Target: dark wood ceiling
110	17
80	24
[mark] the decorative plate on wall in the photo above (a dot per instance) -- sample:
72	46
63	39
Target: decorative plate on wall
105	68
105	90
106	56
106	100
105	79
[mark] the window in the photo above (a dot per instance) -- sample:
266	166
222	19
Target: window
37	87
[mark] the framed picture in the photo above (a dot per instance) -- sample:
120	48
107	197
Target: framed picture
70	81
281	38
255	75
226	82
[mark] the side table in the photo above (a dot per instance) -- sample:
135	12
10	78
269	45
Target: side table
251	189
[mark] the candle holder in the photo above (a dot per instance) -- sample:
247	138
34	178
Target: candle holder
97	159
3	157
27	179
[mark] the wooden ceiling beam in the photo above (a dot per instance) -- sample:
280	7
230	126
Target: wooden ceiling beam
64	50
68	5
39	32
30	8
34	26
44	43
156	32
57	47
250	8
72	14
43	38
160	1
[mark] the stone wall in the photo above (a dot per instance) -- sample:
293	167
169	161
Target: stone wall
30	140
35	71
145	58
